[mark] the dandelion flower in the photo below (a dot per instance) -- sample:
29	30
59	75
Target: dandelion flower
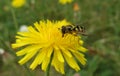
65	1
44	42
18	3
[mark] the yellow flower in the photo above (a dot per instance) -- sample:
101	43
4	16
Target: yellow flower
18	3
44	41
65	1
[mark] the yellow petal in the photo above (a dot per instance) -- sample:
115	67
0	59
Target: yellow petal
49	51
80	57
32	30
71	62
37	26
38	59
59	66
82	49
16	45
45	63
27	57
81	42
47	58
59	54
65	51
27	50
23	34
23	51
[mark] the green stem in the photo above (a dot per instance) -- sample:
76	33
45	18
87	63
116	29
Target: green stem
14	18
47	73
48	70
13	15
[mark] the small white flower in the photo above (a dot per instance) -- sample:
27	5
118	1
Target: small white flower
23	28
1	51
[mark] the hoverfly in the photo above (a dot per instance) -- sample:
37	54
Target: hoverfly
73	29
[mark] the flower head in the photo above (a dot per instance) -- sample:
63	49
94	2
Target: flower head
44	41
76	7
18	3
65	1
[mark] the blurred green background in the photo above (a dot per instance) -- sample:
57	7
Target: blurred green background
103	29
